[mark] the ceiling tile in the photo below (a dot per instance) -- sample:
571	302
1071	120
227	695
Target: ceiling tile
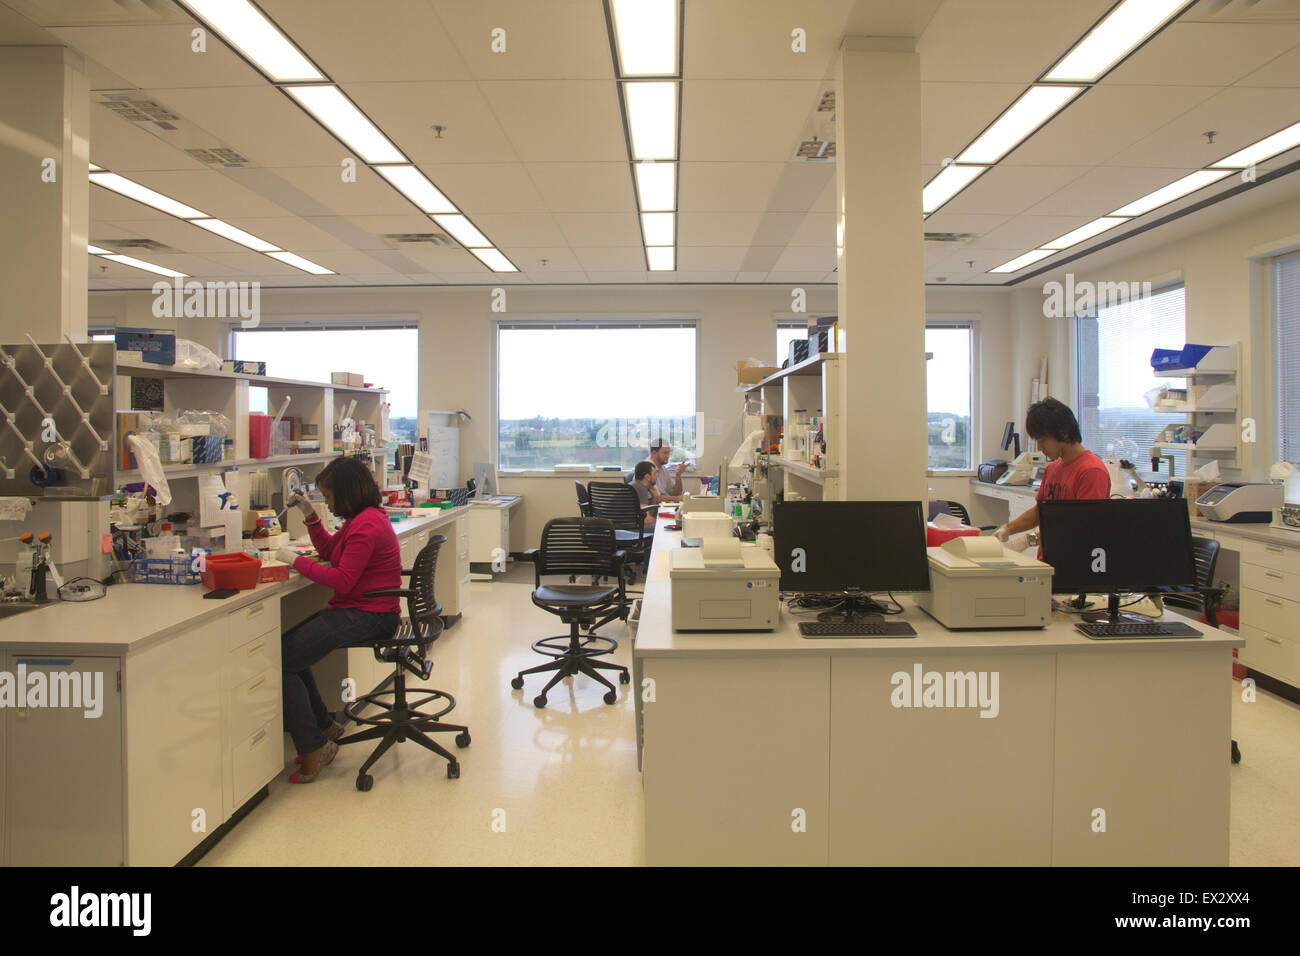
727	187
609	259
555	120
558	39
209	191
1008	190
478	188
717	229
1283	71
953	114
521	230
720	121
584	187
805	258
751	39
817	229
124	147
160	56
1103	190
407	113
1205	54
600	229
711	258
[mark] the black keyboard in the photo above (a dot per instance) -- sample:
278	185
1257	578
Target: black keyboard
856	629
1110	632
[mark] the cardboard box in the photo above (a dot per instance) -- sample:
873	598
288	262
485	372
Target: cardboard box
749	375
338	378
158	348
242	367
355	379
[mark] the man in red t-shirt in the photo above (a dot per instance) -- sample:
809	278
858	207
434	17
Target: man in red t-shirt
1074	472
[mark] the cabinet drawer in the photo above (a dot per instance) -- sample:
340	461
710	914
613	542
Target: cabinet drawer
252	621
252	703
248	660
257	759
1283	584
1272	556
1268	613
1275	656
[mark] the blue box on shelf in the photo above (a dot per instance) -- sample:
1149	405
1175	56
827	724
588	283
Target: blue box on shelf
205	449
798	351
1179	360
157	348
159	571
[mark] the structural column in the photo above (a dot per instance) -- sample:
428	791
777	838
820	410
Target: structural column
44	192
880	249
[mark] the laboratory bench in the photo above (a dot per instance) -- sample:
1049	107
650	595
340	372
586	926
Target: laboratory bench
190	734
767	748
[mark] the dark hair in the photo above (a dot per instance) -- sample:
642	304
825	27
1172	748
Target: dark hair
1052	419
642	469
352	485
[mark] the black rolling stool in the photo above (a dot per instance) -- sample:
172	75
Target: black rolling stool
400	719
578	547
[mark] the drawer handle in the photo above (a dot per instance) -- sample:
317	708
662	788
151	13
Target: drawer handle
1272	574
1273	601
256	647
260	681
257	738
256	609
1269	547
1273	640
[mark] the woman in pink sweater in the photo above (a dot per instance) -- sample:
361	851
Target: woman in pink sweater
363	556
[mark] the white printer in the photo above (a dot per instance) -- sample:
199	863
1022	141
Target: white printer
724	586
977	583
701	503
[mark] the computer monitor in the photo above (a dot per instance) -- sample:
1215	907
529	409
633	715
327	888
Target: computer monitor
1009	437
851	548
485	480
1117	545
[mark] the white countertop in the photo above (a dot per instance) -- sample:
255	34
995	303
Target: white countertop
656	638
131	617
1254	532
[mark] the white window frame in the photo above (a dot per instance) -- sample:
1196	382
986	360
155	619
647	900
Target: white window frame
972	321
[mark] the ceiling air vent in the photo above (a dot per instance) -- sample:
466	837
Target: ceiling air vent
949	236
403	238
133	245
827	104
139	111
815	151
220	156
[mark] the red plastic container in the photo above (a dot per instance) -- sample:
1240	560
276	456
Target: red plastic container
238	571
259	435
936	537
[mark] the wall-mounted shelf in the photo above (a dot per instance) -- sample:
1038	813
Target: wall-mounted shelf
1206	406
803	470
147	370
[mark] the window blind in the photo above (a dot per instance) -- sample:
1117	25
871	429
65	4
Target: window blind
1286	355
1113	373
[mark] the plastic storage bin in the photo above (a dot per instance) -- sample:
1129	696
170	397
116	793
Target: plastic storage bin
935	537
238	571
159	571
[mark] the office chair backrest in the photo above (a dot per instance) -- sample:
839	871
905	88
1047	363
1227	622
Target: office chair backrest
617	502
958	510
576	546
471	484
1205	551
584	500
422	608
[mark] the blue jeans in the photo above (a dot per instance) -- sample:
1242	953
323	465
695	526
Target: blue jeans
305	715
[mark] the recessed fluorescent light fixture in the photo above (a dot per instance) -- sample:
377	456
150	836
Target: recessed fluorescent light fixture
1175	190
298	262
658	228
344	120
1021	261
146	195
96	251
1269	146
655	184
494	260
412	184
652	119
235	234
1110	41
1087	231
645	34
244	26
950	181
147	266
1031	111
661	258
464	231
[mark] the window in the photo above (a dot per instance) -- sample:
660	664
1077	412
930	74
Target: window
1113	374
1286	355
389	357
787	332
594	393
949	418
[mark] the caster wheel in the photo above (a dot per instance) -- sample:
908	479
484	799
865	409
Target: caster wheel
610	697
462	739
539	701
517	683
624	677
453	771
365	782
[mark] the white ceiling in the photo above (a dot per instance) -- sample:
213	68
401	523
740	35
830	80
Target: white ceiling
534	149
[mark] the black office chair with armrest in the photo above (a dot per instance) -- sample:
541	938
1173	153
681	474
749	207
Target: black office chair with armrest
408	650
619	504
584	499
1207	598
578	547
958	511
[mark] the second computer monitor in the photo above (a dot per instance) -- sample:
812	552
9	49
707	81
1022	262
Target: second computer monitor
485	479
853	546
1117	545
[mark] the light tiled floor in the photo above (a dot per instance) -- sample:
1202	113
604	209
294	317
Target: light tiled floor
560	785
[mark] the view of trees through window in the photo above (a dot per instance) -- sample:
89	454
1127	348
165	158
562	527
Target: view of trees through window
948	397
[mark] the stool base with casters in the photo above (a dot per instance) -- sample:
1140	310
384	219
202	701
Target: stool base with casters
399	720
577	657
